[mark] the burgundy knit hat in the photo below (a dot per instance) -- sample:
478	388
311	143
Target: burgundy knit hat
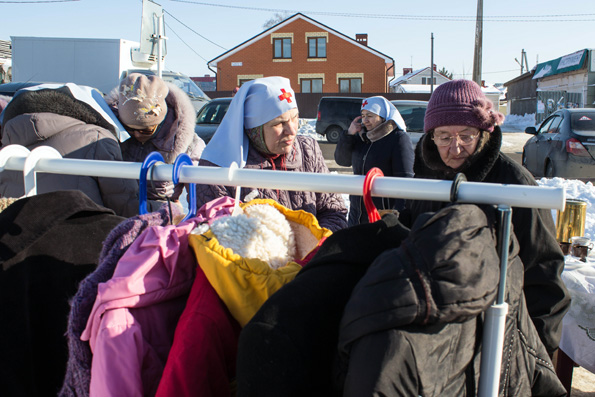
461	102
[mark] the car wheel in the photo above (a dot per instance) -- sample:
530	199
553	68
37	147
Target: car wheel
524	160
333	134
549	170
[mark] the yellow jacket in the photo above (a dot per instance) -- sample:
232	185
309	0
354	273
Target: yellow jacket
244	284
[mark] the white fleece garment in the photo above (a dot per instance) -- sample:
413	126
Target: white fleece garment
261	232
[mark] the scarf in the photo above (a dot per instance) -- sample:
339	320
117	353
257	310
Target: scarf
379	132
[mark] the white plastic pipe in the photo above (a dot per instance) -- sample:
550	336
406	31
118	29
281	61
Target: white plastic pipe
408	188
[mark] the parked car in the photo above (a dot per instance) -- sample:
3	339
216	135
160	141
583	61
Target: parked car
335	114
209	117
9	89
563	146
185	83
413	113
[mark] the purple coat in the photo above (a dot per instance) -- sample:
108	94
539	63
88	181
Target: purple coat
306	156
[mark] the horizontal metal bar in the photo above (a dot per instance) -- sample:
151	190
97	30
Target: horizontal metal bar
407	188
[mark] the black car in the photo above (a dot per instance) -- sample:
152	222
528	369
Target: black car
209	117
563	146
335	114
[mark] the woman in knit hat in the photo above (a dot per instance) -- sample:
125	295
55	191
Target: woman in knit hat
462	135
159	117
377	138
259	131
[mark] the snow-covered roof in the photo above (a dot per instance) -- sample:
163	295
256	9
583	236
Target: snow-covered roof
415	88
409	75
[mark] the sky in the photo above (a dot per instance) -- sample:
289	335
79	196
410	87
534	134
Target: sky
199	31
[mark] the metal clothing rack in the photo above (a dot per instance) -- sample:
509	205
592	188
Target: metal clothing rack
48	160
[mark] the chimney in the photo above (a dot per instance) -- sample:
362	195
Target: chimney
483	83
407	70
434	67
362	38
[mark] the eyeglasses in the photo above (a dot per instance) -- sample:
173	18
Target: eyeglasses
145	131
446	140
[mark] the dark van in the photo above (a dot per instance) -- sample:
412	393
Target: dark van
335	114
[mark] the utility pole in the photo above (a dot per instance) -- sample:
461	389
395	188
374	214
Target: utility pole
432	67
478	43
523	63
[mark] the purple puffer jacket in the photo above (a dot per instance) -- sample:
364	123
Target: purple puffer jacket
175	136
306	156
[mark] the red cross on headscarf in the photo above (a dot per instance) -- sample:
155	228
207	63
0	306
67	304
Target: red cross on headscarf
285	95
364	104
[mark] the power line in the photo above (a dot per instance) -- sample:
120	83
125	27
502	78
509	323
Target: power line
187	45
507	18
194	31
37	2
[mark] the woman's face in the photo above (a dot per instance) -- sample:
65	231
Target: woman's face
450	141
280	132
370	120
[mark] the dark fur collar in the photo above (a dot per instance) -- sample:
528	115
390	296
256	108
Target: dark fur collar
429	165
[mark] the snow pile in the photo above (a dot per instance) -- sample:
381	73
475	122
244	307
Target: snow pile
515	123
579	277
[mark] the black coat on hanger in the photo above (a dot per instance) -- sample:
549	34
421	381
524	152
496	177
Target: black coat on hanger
48	244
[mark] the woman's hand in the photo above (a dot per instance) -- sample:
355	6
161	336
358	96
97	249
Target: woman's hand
356	126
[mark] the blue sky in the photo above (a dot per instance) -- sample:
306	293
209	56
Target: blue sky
202	30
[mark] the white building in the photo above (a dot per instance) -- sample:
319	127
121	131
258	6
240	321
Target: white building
417	81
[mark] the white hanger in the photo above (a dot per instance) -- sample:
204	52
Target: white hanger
29	173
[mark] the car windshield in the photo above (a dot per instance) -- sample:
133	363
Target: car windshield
413	115
187	85
583	123
212	113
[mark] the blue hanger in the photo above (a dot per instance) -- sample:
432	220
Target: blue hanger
184	159
151	159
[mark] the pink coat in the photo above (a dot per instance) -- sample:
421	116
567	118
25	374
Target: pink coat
132	324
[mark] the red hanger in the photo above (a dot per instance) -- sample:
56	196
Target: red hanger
373	214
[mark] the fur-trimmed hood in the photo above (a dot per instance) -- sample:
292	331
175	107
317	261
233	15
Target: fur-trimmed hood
176	134
429	165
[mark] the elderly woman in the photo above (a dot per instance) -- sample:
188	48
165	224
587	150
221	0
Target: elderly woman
159	117
259	131
462	135
377	138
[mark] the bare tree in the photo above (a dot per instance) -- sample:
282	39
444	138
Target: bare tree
275	19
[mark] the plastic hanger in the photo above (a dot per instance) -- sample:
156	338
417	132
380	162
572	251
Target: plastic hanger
184	159
373	214
150	160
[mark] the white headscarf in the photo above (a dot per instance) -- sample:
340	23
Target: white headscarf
89	96
382	107
256	103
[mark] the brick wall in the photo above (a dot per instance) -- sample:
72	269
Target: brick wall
343	57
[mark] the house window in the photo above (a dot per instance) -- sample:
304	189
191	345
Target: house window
317	47
282	48
311	85
428	80
350	85
242	81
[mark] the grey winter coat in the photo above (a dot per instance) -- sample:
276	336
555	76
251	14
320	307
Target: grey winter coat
53	117
174	136
306	156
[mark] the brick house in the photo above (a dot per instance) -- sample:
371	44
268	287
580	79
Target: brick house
314	57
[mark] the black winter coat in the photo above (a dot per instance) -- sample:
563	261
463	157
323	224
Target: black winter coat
393	154
48	244
413	324
545	293
288	347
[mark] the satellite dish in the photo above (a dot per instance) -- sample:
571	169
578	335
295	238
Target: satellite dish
150	33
